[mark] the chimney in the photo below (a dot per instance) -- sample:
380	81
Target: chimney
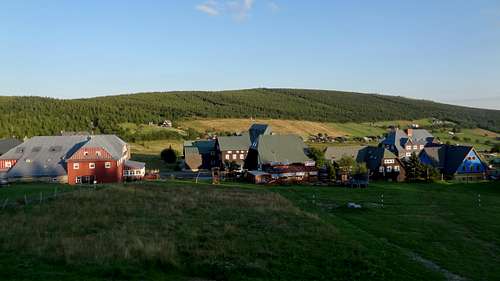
409	132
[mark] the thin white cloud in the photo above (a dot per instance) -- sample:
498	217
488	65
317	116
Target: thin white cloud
239	10
273	6
210	7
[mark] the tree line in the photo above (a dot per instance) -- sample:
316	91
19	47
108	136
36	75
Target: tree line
28	116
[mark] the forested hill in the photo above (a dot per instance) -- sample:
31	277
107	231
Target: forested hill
27	116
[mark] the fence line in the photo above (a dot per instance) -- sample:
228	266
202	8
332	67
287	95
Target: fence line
43	197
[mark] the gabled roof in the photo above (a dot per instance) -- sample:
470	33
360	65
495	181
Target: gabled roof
375	155
43	156
447	157
258	129
8	144
199	146
234	142
111	143
399	138
46	155
335	153
284	149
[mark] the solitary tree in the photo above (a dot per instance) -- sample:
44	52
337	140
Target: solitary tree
169	155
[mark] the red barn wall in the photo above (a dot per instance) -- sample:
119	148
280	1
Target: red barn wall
100	172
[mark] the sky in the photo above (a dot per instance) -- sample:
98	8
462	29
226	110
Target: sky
443	50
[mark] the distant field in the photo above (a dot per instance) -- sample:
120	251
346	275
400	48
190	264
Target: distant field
474	137
302	128
182	231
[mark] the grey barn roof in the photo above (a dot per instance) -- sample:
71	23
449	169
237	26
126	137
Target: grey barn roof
335	153
285	149
234	142
45	156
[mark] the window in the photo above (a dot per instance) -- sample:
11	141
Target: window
237	151
76	166
396	168
242	156
234	156
229	151
8	164
85	153
415	147
107	165
421	146
388	161
98	153
227	157
381	169
91	165
78	180
408	154
389	168
408	147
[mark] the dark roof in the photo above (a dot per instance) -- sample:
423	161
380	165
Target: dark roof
258	129
202	146
399	138
135	164
335	153
234	142
447	157
283	149
8	144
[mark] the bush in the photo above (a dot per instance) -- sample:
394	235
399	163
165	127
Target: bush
169	155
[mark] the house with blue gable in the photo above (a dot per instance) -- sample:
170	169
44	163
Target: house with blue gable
457	162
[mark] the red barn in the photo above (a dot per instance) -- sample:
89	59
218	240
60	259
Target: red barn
71	159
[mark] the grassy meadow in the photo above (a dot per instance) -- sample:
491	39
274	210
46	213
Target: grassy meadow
177	230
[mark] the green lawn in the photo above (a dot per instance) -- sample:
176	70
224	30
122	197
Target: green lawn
18	190
179	230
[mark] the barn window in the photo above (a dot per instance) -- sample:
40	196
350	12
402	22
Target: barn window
85	153
389	168
421	146
234	156
381	169
229	151
415	147
107	165
78	180
227	156
8	164
242	156
76	166
98	153
91	165
396	168
408	154
408	147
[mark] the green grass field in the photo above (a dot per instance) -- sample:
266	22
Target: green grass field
184	231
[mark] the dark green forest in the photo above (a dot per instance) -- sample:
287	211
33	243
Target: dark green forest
28	116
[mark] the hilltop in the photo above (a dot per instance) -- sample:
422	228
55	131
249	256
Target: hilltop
27	116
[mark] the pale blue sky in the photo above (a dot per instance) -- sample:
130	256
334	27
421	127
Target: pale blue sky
446	50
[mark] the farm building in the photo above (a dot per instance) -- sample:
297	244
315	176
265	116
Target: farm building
70	159
283	158
455	161
404	143
382	163
232	149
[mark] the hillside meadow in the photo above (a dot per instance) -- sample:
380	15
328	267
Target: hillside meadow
177	230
